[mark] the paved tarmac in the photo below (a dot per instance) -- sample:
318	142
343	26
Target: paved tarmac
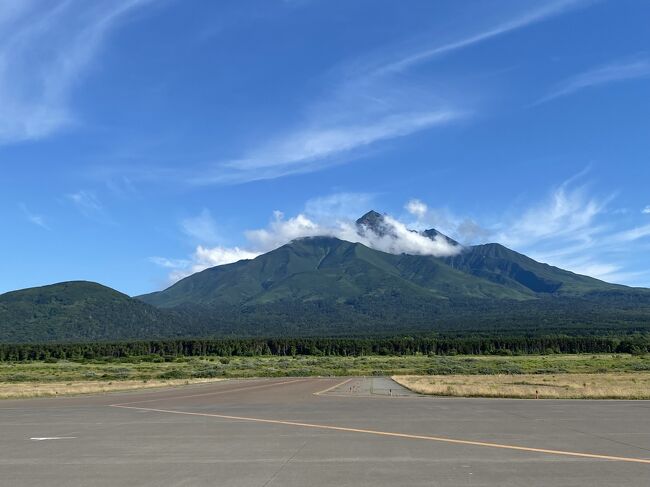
316	432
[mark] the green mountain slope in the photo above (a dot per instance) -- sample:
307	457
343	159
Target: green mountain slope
511	269
326	286
322	285
79	310
331	270
327	269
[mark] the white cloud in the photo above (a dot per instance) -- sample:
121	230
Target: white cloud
366	101
646	210
311	149
568	213
170	263
394	237
575	230
567	229
201	227
398	239
45	48
281	231
632	234
86	202
205	257
209	257
37	220
462	228
202	258
541	12
571	228
599	270
416	208
620	71
366	106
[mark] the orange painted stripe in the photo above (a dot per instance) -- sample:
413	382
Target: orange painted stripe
227	391
403	435
333	387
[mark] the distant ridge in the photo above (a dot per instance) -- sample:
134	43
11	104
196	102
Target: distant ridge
79	310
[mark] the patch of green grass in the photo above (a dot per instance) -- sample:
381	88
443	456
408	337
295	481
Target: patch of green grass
274	366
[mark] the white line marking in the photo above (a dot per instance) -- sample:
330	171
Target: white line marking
45	438
403	435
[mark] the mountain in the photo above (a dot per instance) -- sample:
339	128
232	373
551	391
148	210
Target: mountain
372	220
326	269
323	285
79	310
327	286
376	222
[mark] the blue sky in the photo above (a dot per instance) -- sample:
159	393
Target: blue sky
144	140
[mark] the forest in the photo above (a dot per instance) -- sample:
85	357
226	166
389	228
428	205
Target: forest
168	350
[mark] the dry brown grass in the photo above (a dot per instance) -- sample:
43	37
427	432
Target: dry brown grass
634	385
44	389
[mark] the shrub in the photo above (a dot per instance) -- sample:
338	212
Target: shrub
174	374
208	373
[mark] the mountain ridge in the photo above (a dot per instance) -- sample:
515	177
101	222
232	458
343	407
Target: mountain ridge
323	285
78	310
376	222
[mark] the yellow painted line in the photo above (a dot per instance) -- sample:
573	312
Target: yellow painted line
333	387
401	435
227	391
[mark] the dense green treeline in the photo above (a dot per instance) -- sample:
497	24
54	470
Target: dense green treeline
158	350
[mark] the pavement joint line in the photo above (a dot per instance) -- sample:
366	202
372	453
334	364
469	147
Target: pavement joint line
400	435
324	391
240	389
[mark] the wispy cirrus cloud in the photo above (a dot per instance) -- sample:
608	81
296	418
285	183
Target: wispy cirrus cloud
569	213
201	227
602	75
572	228
311	149
538	13
87	203
45	48
633	234
371	100
33	218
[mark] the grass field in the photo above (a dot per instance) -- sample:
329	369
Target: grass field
631	385
93	375
16	390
